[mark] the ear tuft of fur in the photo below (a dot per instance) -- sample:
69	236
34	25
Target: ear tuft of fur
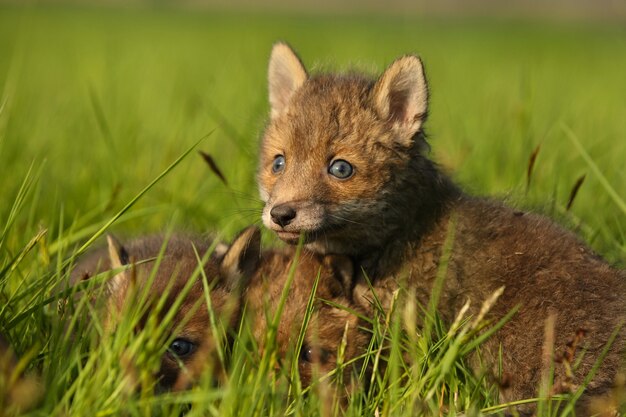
400	96
242	258
286	74
117	252
118	257
220	250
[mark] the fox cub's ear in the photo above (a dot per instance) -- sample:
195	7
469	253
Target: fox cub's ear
285	75
400	96
242	258
118	257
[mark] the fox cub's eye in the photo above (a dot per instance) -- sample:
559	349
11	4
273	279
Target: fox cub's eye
340	169
309	354
279	164
181	348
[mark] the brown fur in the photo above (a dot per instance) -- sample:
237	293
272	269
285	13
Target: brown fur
544	269
328	324
393	214
177	265
261	275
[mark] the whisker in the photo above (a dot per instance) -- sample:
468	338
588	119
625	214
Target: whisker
246	210
248	215
334	216
240	195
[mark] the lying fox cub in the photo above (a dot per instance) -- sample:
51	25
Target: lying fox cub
190	341
343	161
242	274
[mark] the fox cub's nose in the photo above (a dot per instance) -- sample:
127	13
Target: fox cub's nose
283	214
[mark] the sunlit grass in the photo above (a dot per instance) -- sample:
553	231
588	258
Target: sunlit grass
95	106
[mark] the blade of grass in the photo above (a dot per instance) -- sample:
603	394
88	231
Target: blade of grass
18	202
139	195
594	168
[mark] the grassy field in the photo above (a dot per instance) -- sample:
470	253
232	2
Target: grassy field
96	104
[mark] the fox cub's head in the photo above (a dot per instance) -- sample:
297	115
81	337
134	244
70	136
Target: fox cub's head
336	149
152	275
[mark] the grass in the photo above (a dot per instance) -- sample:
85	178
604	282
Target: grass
97	104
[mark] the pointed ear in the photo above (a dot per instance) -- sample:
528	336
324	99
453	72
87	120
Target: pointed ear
117	253
285	75
118	257
401	97
242	258
343	271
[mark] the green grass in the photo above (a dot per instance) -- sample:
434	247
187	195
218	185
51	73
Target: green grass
96	104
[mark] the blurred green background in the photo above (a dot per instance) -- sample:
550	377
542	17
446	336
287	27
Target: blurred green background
99	99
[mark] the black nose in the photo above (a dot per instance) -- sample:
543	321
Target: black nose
283	214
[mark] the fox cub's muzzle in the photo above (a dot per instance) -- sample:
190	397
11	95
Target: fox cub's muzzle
283	214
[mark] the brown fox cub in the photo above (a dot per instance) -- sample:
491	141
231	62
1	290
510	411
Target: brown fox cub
243	275
190	338
343	162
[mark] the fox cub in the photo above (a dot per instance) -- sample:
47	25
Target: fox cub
343	162
173	261
242	275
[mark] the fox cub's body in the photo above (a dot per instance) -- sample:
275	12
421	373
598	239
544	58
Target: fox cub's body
342	161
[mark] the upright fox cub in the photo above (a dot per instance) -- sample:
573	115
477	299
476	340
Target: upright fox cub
190	341
343	162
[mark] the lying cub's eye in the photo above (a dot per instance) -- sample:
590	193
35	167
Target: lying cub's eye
340	169
181	348
310	354
279	164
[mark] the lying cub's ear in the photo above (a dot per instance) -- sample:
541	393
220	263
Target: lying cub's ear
400	97
242	258
343	271
118	257
285	75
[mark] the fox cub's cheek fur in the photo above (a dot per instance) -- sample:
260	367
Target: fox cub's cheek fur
333	144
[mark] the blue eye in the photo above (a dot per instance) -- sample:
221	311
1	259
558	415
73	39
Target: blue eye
340	169
181	348
279	164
